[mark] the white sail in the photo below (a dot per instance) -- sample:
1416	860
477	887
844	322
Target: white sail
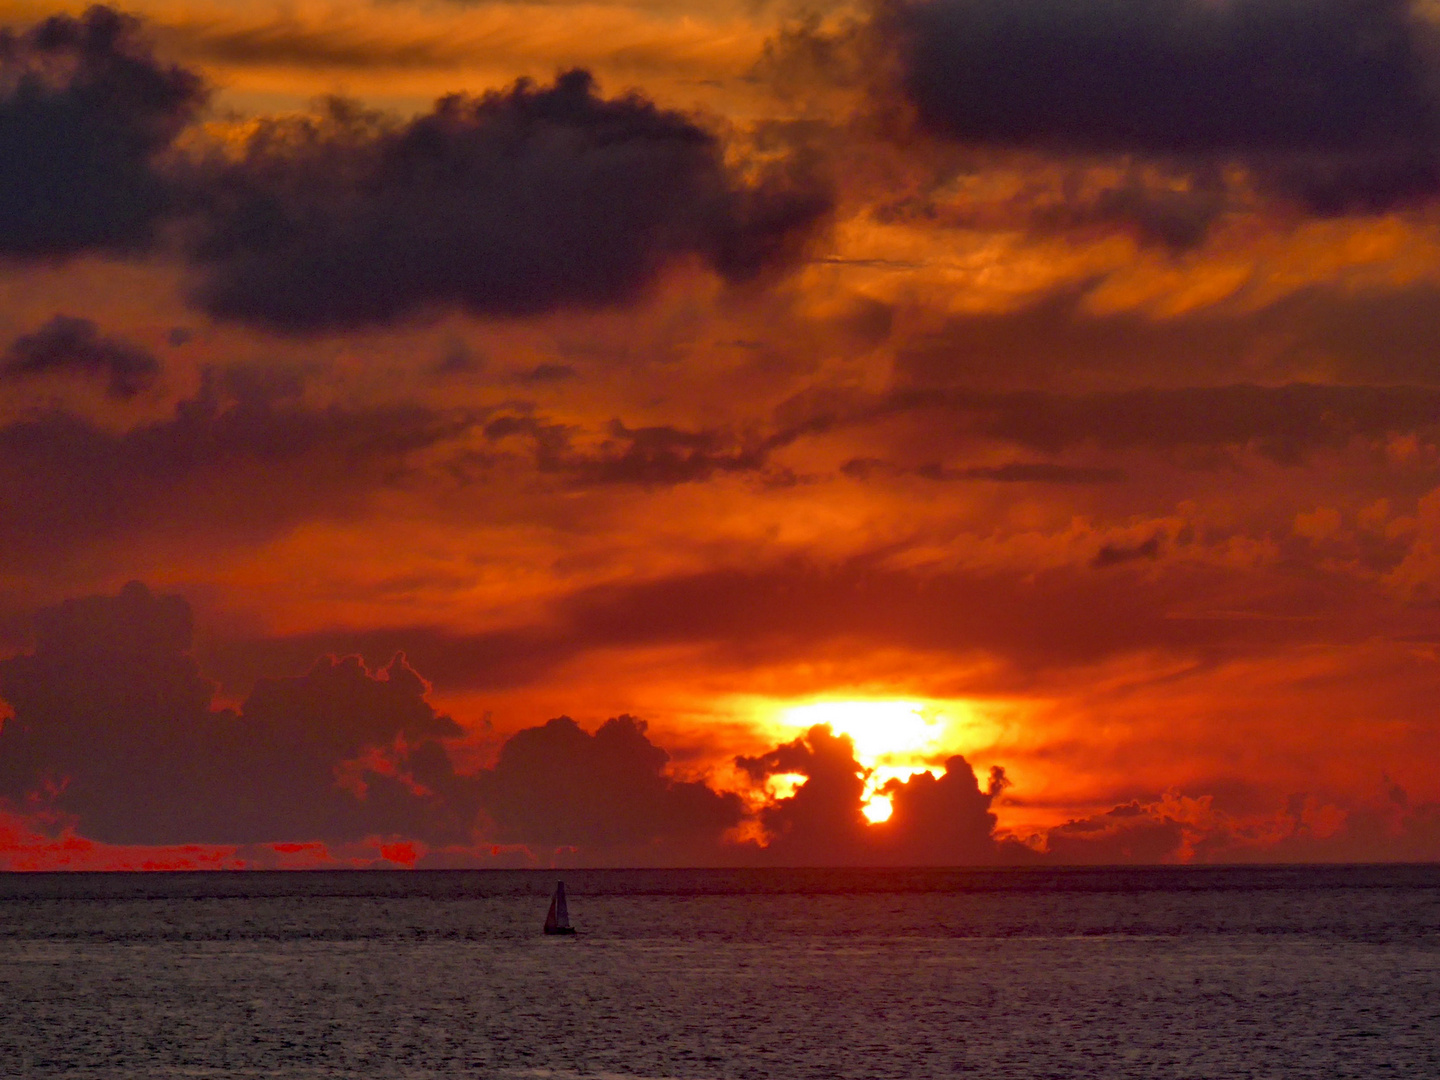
562	913
557	919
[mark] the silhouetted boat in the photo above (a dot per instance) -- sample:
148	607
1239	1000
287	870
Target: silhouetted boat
557	921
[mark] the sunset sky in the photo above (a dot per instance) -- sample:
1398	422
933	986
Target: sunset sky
1020	418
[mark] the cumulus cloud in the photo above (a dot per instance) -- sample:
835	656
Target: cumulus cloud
946	820
513	203
822	821
86	113
69	344
606	793
935	821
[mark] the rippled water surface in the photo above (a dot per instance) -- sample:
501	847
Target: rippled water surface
1321	972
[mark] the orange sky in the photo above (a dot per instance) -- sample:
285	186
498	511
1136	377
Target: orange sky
1065	398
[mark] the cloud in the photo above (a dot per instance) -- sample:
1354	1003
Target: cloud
208	469
1116	554
113	725
1012	472
115	735
86	112
1132	833
114	747
1381	826
67	343
1360	336
945	820
935	821
1284	423
606	793
822	822
514	203
1331	102
1024	620
649	456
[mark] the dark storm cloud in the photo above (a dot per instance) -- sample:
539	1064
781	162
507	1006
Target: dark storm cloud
606	793
113	718
1331	100
86	111
1165	75
514	203
208	470
69	344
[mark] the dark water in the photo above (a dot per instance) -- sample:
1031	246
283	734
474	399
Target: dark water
1318	972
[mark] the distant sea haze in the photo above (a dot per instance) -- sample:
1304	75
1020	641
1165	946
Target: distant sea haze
708	974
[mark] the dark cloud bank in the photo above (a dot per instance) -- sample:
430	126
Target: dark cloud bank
113	727
209	470
1330	104
86	115
114	733
512	203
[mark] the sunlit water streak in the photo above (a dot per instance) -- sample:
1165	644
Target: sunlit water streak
695	974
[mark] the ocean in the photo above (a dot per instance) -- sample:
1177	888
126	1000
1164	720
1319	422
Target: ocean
1312	972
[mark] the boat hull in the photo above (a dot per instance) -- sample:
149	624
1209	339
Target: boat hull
559	929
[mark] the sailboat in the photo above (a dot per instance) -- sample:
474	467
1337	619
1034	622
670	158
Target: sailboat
557	921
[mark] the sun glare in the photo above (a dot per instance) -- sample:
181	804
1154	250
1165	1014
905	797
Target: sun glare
879	729
878	809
